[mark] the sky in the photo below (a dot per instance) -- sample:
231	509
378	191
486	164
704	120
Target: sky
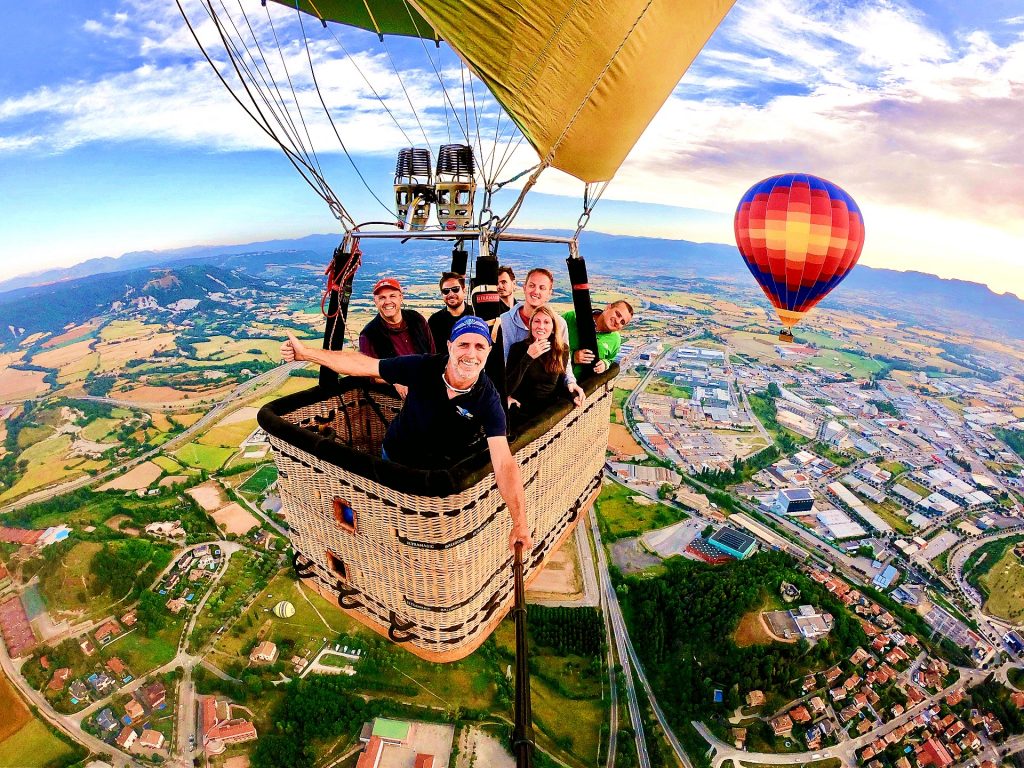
116	134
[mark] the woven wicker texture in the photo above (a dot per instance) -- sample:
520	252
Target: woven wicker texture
434	573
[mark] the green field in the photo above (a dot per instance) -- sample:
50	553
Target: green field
247	573
65	584
662	387
260	480
143	654
168	465
887	512
619	516
1004	584
37	740
99	429
843	362
208	457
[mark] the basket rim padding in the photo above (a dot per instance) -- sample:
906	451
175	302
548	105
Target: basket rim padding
418	482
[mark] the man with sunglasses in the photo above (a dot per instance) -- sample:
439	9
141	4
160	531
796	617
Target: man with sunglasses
453	294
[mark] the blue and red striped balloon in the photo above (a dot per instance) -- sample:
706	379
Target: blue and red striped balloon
799	235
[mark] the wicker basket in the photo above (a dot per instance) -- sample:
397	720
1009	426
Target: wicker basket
422	555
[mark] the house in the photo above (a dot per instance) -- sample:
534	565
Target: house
116	667
810	683
176	605
101	682
755	698
134	710
864	726
932	752
739	737
782	725
107	632
859	656
78	690
130	619
153	695
106	721
264	653
800	714
126	737
818	706
217	728
59	679
151	739
87	647
832	673
1018	699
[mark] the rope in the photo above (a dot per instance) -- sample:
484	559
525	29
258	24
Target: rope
522	734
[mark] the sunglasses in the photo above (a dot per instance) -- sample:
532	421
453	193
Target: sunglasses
455	289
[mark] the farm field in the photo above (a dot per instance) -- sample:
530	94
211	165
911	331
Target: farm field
167	464
18	385
234	518
620	516
622	442
228	435
140	476
208	457
36	739
45	466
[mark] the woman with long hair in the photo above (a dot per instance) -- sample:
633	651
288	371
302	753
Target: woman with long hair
535	369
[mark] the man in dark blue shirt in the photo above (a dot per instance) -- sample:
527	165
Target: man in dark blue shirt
450	402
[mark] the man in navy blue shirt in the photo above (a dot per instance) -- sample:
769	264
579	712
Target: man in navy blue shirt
449	404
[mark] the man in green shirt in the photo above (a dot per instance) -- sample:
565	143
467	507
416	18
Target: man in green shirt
609	322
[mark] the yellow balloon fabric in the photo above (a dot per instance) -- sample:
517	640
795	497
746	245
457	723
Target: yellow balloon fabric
582	80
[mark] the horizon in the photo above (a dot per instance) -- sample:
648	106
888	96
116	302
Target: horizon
241	244
122	139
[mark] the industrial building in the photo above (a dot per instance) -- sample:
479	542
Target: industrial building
793	501
733	542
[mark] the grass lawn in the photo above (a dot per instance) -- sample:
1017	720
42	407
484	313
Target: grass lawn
662	387
208	457
568	728
844	362
1016	677
917	488
143	654
888	513
260	480
751	630
65	584
893	467
620	516
37	740
247	572
99	429
122	329
1004	583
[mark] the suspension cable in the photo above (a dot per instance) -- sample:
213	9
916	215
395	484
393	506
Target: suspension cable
522	734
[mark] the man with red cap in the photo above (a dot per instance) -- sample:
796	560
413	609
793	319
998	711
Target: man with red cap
450	404
394	331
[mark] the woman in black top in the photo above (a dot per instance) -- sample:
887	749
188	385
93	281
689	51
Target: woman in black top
535	369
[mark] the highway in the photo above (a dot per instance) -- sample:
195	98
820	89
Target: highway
613	614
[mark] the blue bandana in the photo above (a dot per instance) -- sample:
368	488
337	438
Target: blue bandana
470	324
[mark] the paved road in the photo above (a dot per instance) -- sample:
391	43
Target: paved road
613	615
243	390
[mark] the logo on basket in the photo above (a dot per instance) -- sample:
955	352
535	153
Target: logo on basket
463	412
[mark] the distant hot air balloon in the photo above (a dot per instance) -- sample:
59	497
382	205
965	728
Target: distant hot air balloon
799	236
284	610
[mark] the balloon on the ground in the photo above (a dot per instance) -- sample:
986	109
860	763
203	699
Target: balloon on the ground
799	235
284	610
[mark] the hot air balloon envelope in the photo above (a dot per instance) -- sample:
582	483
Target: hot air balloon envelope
799	235
284	610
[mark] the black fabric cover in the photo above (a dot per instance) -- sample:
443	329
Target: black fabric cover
417	482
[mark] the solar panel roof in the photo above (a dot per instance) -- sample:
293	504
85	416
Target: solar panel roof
733	539
798	494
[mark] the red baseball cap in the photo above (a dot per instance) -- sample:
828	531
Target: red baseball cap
386	282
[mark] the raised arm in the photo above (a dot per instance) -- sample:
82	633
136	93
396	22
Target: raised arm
510	486
345	361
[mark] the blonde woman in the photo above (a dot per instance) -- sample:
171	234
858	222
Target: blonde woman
535	370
